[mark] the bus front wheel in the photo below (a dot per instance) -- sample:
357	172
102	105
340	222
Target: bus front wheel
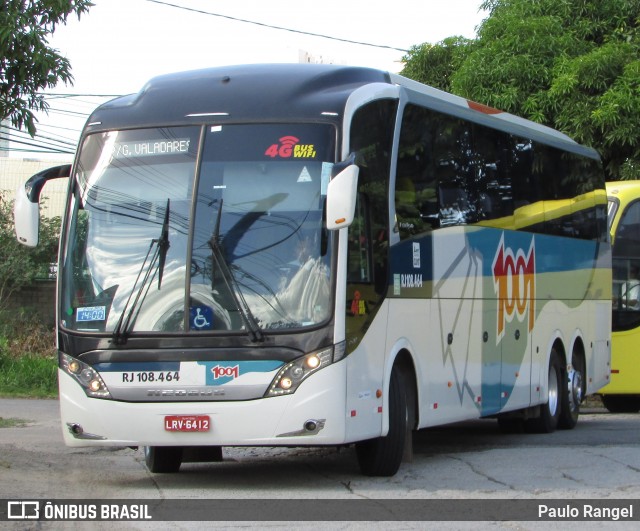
382	456
163	459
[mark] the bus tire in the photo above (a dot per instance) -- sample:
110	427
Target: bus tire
572	393
163	459
547	422
382	456
621	403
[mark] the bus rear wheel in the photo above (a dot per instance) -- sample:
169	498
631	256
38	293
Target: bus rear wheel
382	456
547	422
572	393
163	459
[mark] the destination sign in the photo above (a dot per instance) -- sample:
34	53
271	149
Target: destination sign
150	148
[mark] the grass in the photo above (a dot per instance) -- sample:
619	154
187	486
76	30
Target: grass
12	423
28	360
31	376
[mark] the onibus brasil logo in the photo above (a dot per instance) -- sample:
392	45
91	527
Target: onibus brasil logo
514	278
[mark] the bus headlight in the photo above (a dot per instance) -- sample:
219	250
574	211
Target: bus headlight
85	375
294	373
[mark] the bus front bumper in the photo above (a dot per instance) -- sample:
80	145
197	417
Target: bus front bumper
313	415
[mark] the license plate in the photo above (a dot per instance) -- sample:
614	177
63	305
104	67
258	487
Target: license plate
187	423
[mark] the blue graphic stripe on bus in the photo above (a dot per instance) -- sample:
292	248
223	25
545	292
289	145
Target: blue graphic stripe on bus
138	366
553	254
222	372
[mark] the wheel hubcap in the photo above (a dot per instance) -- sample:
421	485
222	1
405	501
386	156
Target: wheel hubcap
575	389
553	391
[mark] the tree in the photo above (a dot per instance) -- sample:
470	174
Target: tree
571	64
27	63
434	64
20	265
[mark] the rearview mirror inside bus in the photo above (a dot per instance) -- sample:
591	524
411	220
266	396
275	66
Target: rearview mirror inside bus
341	198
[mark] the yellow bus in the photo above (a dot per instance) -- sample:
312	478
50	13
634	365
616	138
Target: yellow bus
622	395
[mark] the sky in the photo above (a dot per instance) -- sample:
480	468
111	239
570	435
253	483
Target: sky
120	44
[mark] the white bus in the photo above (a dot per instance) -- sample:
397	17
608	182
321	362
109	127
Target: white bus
322	255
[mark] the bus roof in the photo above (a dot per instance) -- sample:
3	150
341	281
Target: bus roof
268	92
290	92
627	189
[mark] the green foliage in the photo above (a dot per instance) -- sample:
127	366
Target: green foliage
20	265
434	64
27	63
571	64
12	423
30	376
28	362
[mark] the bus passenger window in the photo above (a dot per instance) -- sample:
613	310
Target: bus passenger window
626	270
454	205
408	215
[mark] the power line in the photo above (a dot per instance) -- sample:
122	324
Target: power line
264	25
87	95
47	151
49	126
66	111
72	107
42	148
59	139
46	139
43	143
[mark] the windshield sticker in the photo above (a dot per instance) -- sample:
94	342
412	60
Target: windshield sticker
91	313
200	318
288	147
305	176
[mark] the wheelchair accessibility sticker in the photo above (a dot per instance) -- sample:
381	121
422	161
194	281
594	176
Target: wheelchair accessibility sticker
200	318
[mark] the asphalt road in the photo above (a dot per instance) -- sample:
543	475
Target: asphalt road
598	460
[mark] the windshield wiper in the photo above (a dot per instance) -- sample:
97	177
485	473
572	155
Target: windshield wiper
249	320
155	265
163	244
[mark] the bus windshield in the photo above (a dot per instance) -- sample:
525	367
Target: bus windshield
184	230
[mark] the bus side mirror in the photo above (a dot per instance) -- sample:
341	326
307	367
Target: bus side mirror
26	210
26	217
341	198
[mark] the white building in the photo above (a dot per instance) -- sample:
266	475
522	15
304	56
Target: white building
14	172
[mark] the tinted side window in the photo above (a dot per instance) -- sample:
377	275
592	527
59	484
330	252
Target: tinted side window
569	183
454	172
371	141
435	173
